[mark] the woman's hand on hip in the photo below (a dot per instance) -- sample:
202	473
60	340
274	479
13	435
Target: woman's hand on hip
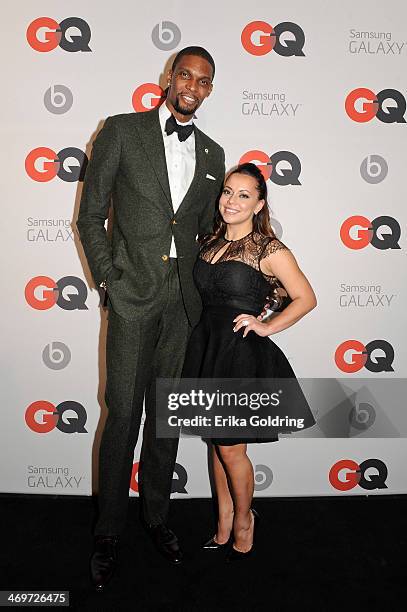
250	323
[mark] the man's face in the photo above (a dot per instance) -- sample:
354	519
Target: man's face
189	84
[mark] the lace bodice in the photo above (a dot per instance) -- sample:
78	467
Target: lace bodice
235	278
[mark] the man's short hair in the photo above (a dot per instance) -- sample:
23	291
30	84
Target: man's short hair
200	51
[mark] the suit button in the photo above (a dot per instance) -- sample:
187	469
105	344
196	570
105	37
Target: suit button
174	222
164	257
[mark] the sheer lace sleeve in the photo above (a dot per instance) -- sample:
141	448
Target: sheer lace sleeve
278	295
271	246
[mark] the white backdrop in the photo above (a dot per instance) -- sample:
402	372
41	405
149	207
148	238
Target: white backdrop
290	99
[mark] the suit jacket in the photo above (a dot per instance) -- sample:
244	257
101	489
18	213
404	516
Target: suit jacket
128	167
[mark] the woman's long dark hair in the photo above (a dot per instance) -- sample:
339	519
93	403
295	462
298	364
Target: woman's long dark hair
261	221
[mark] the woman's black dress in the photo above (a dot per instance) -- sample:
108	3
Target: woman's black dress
233	285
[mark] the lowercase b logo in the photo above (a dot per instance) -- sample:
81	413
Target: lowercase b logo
56	355
263	477
72	34
374	169
166	35
259	38
58	99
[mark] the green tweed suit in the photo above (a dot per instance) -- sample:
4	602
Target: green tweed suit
153	303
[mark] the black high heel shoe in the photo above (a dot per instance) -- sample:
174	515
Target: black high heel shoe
237	555
212	544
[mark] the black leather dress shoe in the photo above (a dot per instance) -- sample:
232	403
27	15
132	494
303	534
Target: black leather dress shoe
103	561
166	542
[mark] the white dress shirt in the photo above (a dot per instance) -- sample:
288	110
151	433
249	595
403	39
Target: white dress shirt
180	158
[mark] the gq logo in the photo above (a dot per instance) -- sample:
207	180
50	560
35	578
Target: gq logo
45	34
263	477
52	417
368	233
166	35
355	474
374	169
363	104
56	355
259	38
43	164
147	96
51	293
269	166
58	99
361	356
178	482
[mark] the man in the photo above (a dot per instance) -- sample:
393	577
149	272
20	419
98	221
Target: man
164	176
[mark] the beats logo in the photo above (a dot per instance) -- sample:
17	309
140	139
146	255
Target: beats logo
166	35
56	355
374	169
263	477
58	99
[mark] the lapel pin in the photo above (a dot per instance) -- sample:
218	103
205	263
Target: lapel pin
206	151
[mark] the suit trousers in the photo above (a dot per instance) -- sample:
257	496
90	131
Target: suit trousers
136	353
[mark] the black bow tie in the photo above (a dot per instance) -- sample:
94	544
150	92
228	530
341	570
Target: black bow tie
183	131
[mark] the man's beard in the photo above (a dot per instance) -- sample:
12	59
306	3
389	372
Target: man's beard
182	110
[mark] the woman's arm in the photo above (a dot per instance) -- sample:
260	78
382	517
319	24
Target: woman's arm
282	264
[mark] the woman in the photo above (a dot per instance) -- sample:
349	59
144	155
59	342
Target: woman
238	267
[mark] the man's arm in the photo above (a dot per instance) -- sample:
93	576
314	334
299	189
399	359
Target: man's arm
95	202
206	217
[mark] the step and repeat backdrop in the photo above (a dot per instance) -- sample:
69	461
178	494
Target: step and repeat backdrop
315	94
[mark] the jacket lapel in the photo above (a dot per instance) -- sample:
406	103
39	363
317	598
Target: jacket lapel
198	182
152	139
